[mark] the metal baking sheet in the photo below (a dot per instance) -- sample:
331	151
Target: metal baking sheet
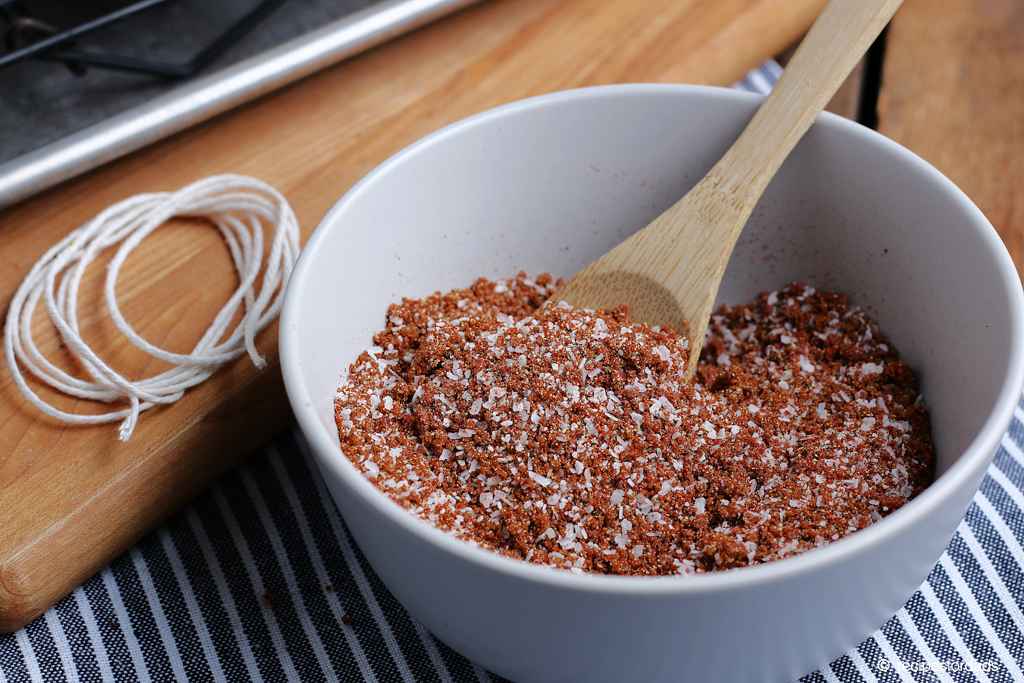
180	106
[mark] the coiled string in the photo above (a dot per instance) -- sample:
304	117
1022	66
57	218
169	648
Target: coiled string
238	206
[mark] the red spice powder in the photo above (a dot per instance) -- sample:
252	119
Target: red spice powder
569	438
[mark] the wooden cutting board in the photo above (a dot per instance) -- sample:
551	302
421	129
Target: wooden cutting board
73	498
953	92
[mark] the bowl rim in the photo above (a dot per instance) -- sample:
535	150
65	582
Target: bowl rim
978	454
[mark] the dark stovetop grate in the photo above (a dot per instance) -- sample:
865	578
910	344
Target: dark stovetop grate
27	36
43	98
140	58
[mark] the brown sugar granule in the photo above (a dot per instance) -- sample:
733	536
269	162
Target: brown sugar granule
569	438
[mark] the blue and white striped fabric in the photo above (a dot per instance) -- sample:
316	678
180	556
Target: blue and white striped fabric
259	580
762	78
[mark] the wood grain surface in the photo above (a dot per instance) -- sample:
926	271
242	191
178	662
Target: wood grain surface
953	92
73	498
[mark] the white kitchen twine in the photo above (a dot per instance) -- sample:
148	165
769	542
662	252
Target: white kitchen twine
236	205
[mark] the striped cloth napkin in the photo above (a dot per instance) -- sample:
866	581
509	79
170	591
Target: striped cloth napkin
259	580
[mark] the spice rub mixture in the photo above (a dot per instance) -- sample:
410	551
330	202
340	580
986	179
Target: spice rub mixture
569	438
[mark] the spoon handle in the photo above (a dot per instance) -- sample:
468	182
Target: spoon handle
669	272
837	41
694	238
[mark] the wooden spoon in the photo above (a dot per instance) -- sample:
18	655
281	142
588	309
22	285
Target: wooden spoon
669	272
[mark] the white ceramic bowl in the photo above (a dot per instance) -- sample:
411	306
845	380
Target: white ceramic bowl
550	183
